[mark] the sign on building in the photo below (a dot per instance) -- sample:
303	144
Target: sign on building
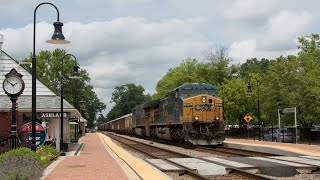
40	133
52	115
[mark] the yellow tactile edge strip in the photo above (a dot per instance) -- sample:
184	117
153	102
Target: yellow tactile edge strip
280	147
127	170
143	169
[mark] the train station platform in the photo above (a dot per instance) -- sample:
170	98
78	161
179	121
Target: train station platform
288	149
100	158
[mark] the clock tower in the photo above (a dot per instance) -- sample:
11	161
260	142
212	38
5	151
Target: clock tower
13	86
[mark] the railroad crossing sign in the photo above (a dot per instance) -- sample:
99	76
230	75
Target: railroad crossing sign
247	118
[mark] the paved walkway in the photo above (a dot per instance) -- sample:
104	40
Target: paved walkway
94	162
298	148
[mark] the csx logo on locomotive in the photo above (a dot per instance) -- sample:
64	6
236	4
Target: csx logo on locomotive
203	107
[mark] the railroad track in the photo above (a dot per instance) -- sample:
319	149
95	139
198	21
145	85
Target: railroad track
164	154
149	150
217	150
157	153
224	151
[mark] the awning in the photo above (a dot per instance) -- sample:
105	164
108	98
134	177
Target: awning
73	123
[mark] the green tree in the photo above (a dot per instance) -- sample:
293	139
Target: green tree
216	69
309	91
186	72
49	73
125	98
236	103
309	43
101	119
253	65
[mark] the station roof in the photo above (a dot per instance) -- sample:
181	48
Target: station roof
47	101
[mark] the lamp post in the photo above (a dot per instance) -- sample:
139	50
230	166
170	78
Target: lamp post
249	92
57	38
75	75
82	102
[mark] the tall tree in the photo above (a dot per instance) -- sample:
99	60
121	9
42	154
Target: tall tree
125	98
186	72
309	43
49	73
253	65
217	66
236	103
309	91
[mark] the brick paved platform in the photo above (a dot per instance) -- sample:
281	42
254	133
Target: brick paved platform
302	149
94	162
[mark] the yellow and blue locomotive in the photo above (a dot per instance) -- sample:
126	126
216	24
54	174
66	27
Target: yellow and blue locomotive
191	112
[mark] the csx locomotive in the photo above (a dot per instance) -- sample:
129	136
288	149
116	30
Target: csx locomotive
191	112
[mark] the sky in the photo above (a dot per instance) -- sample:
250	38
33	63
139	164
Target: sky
138	41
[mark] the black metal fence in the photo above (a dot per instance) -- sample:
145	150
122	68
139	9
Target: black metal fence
304	135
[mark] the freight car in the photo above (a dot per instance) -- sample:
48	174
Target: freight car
122	125
191	112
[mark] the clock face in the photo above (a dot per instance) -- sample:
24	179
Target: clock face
13	85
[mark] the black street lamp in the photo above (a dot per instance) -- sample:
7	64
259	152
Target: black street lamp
249	92
75	75
82	102
57	38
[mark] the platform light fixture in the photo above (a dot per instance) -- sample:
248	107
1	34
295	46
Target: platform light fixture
57	38
249	92
75	75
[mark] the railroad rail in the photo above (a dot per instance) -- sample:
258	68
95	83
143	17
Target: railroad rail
225	151
152	151
163	154
157	153
217	150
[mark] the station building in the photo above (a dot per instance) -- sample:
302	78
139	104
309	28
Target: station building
47	104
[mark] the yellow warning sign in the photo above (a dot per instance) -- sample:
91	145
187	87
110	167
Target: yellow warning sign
247	118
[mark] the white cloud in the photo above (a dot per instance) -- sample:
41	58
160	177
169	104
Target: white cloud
243	50
249	9
123	3
283	29
16	3
120	51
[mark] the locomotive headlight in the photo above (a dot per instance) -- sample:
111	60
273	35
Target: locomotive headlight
203	99
196	118
216	118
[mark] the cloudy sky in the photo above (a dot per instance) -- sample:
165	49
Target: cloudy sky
137	41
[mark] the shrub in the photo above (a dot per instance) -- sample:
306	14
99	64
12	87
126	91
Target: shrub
20	152
47	153
20	164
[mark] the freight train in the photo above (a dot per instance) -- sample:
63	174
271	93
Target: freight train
190	113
